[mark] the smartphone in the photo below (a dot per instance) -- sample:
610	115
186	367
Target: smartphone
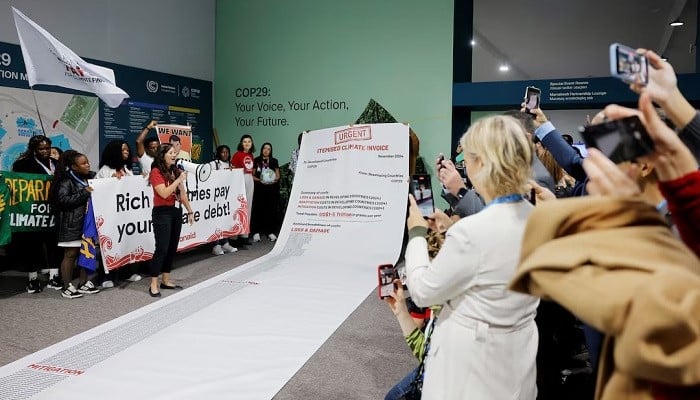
441	158
386	274
423	193
621	140
532	98
628	65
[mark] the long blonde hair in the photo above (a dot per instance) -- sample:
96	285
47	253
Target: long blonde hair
502	145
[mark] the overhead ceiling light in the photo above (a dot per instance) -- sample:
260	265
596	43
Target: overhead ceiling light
472	42
504	68
676	22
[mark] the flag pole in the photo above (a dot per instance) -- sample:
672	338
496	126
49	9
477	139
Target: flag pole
37	112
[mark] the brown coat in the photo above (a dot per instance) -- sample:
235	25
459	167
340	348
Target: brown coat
615	265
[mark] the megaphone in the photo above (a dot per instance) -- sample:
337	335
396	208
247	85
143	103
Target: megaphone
201	172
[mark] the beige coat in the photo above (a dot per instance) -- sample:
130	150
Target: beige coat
616	266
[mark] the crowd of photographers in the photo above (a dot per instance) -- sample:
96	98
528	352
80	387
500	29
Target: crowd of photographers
593	291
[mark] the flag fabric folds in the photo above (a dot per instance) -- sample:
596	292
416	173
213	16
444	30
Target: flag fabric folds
49	62
5	233
88	253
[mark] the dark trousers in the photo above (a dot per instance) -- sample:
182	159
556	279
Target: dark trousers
167	224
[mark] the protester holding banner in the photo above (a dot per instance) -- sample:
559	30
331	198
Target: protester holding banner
222	161
485	343
146	148
168	189
244	159
69	196
115	161
265	211
37	160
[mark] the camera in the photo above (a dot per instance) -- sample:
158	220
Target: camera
621	140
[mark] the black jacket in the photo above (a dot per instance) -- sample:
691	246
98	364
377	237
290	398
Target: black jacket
69	202
30	165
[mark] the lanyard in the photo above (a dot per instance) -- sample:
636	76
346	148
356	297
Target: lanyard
81	182
48	170
509	198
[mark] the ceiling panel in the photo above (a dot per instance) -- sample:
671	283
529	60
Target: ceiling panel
542	39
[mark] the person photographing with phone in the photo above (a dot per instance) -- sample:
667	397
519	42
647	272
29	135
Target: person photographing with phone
168	190
485	342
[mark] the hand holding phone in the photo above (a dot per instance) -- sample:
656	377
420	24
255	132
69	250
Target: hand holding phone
620	140
532	98
628	65
386	274
422	191
441	158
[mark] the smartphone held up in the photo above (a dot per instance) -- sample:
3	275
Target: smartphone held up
386	274
422	191
629	65
532	98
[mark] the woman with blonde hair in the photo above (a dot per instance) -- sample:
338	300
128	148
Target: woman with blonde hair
485	342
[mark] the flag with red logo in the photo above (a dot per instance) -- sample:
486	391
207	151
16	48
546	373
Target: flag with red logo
49	62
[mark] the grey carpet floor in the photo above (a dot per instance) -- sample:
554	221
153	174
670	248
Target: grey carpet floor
363	359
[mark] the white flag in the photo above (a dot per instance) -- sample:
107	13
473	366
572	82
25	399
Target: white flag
49	62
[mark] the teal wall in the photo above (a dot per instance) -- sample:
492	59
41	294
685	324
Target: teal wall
397	52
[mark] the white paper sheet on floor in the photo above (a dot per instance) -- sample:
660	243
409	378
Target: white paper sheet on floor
245	333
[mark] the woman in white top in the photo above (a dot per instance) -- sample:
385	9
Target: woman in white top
115	160
485	341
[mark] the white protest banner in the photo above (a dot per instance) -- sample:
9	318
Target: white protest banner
123	214
50	62
184	135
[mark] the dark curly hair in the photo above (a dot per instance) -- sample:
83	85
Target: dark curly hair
220	149
33	145
112	155
68	159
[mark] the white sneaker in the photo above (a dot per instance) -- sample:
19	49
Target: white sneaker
134	278
272	237
228	248
107	284
70	292
217	250
256	237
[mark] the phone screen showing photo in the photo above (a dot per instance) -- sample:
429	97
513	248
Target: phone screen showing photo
632	67
532	97
386	275
423	193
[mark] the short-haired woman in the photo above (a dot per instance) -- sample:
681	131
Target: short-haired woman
485	342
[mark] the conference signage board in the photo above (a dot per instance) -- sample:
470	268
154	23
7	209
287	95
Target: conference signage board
79	120
559	93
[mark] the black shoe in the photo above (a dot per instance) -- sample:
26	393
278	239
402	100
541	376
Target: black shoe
174	287
34	286
156	294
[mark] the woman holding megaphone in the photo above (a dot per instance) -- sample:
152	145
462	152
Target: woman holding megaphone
168	190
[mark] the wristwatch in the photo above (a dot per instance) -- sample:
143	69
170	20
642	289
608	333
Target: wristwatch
462	193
